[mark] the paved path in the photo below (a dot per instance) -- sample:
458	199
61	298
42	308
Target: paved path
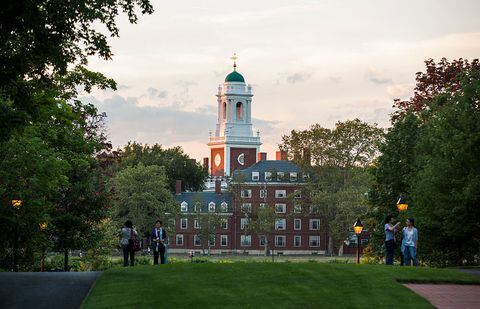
449	296
45	290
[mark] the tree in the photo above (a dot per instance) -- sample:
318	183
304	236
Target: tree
178	165
262	223
141	194
337	158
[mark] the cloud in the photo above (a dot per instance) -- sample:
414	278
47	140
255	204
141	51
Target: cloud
376	76
154	93
298	78
399	91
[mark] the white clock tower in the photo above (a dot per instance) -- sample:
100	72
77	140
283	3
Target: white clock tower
234	146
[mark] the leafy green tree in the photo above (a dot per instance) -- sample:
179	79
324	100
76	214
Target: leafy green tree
262	223
140	194
178	165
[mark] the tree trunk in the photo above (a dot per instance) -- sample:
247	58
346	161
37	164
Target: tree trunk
330	245
266	248
65	260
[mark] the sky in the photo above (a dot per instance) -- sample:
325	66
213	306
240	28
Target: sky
308	62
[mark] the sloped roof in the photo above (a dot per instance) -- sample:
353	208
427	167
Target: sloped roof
205	197
273	166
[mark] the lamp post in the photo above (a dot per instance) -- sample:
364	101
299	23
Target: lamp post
401	205
43	226
16	204
358	227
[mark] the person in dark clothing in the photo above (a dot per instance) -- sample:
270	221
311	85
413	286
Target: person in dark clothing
127	233
390	238
159	237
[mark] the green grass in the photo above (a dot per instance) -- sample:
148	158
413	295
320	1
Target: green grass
265	285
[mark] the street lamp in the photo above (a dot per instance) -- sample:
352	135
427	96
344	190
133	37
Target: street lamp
358	227
401	205
16	204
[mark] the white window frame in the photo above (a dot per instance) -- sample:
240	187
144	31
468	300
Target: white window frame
246	193
211	207
243	223
195	237
181	223
297	209
224	223
247	207
280	193
196	224
224	207
284	240
178	237
297	193
184	207
312	238
268	176
280	224
263	205
299	228
263	193
222	239
245	240
295	237
311	223
280	176
284	208
255	176
293	176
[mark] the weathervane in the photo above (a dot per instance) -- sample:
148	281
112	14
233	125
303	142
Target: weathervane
234	58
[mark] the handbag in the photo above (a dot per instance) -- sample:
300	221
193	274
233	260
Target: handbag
135	241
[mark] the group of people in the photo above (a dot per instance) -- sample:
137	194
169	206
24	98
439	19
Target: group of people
409	241
158	243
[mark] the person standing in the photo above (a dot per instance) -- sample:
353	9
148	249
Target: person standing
390	238
410	242
159	237
127	233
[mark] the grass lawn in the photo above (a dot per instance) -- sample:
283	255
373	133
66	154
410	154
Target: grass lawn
265	285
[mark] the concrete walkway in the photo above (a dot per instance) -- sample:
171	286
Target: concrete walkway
449	296
45	290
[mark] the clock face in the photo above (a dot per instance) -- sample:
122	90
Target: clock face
241	159
218	159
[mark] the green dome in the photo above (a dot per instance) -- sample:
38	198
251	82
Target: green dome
234	77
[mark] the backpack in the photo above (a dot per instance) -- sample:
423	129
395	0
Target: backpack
135	241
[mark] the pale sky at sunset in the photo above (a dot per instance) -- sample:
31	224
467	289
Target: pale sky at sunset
308	61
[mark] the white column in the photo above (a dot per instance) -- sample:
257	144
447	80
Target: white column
226	161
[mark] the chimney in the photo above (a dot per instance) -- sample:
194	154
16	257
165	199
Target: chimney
281	155
262	156
205	164
178	187
218	186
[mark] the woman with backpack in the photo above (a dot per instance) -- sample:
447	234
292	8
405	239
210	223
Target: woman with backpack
128	234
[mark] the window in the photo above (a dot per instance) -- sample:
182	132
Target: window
280	208
297	241
293	176
246	193
268	176
247	207
280	193
223	240
239	111
255	176
243	223
224	223
196	224
211	241
171	222
280	224
245	240
184	207
280	176
224	207
279	241
263	193
314	224
297	224
224	110
297	194
306	176
197	207
263	205
314	241
211	207
183	223
196	240
297	209
261	241
179	240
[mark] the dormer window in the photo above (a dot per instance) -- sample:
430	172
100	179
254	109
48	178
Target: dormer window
184	207
224	207
255	176
211	207
268	176
280	176
293	176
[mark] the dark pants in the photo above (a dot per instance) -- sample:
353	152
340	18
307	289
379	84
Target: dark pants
161	253
390	246
128	251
